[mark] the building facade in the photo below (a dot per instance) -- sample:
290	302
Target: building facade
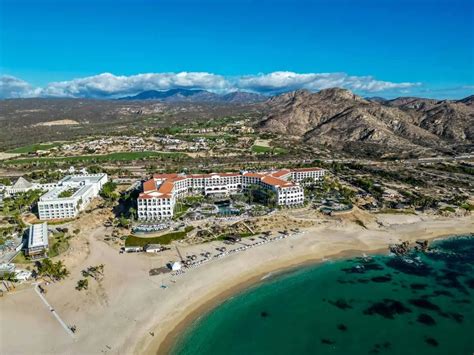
71	195
160	193
37	243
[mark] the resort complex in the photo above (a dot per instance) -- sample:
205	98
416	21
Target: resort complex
70	196
160	193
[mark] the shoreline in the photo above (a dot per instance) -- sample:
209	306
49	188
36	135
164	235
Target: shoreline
129	312
171	338
165	344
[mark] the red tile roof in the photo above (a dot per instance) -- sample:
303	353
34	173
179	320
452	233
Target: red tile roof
306	169
165	176
270	180
280	173
166	187
255	175
149	185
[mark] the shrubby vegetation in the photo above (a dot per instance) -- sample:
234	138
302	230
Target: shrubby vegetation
257	194
164	239
108	191
54	270
21	202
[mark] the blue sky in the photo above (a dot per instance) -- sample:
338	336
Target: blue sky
425	44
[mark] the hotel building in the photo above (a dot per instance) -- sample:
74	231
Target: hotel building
70	196
37	243
160	193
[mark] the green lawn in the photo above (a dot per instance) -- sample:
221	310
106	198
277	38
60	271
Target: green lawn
179	210
261	150
33	148
21	259
124	156
163	239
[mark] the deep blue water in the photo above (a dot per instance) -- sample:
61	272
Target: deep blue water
421	304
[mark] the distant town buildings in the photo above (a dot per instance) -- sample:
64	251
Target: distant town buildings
37	243
70	196
160	193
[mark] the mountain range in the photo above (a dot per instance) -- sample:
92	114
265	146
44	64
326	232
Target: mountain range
197	96
341	120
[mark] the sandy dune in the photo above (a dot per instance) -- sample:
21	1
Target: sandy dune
65	122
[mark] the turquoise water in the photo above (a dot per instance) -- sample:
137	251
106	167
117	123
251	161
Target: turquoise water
225	208
422	304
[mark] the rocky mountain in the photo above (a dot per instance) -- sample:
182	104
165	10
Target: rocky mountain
467	100
449	119
344	121
198	96
243	97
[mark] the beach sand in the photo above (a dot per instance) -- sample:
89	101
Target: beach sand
120	314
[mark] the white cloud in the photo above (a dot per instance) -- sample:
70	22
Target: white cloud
12	87
284	81
107	85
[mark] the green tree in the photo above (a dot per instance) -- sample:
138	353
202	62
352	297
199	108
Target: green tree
108	191
82	284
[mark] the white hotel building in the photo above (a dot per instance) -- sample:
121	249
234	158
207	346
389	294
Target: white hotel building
37	243
81	190
160	193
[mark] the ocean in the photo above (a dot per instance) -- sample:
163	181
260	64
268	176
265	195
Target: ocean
418	304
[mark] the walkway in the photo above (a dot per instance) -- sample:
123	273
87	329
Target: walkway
64	325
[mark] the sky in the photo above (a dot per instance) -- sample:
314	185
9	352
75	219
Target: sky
105	48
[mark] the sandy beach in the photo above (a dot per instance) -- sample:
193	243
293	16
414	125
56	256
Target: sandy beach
128	312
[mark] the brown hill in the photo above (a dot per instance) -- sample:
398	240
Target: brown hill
342	120
450	120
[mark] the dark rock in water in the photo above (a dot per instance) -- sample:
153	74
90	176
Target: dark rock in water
463	301
342	327
442	293
372	266
385	278
425	304
470	283
362	267
341	304
388	308
431	341
409	268
327	341
458	317
449	279
378	347
426	319
416	286
264	314
457	253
